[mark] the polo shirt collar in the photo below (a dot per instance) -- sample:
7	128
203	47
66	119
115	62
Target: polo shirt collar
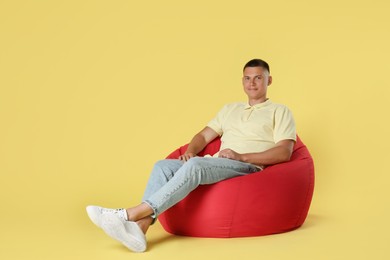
257	106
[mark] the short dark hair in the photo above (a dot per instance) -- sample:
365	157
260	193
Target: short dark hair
257	63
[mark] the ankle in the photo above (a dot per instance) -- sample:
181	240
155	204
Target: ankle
145	223
130	216
139	212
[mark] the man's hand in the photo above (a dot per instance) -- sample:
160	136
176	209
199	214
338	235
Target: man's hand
186	156
229	154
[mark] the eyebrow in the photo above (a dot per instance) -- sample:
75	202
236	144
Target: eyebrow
246	76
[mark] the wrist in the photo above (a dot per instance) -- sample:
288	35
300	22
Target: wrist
243	158
191	153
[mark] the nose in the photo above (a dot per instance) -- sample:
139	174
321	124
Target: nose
253	82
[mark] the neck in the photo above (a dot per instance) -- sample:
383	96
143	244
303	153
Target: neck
253	102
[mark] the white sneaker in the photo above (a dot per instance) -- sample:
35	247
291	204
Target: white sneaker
128	232
95	213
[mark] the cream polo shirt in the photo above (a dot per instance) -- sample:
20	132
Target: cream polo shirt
250	129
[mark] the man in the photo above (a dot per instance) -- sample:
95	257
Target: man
253	135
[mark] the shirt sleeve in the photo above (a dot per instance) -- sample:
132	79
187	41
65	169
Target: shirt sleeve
284	125
218	121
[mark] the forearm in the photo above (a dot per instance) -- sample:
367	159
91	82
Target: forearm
200	140
197	144
272	156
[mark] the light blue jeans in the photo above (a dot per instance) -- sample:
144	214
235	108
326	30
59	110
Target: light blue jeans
172	180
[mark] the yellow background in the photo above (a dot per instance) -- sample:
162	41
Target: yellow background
92	93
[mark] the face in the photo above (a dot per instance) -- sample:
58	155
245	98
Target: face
256	81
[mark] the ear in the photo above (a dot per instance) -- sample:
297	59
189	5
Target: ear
269	80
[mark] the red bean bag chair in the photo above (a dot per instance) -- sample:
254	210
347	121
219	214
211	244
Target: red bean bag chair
274	200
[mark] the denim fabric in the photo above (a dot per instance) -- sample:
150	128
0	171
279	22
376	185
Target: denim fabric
172	180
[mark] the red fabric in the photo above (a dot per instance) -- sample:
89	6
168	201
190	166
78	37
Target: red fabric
274	200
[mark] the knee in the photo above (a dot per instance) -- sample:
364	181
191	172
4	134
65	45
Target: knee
195	163
195	169
167	165
161	164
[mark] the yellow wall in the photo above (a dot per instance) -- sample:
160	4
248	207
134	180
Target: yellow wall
93	92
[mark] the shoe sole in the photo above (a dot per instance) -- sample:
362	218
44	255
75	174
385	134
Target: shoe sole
115	228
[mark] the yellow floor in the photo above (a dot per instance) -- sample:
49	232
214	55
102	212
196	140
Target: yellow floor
72	236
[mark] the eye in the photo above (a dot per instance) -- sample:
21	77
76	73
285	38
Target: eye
258	77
